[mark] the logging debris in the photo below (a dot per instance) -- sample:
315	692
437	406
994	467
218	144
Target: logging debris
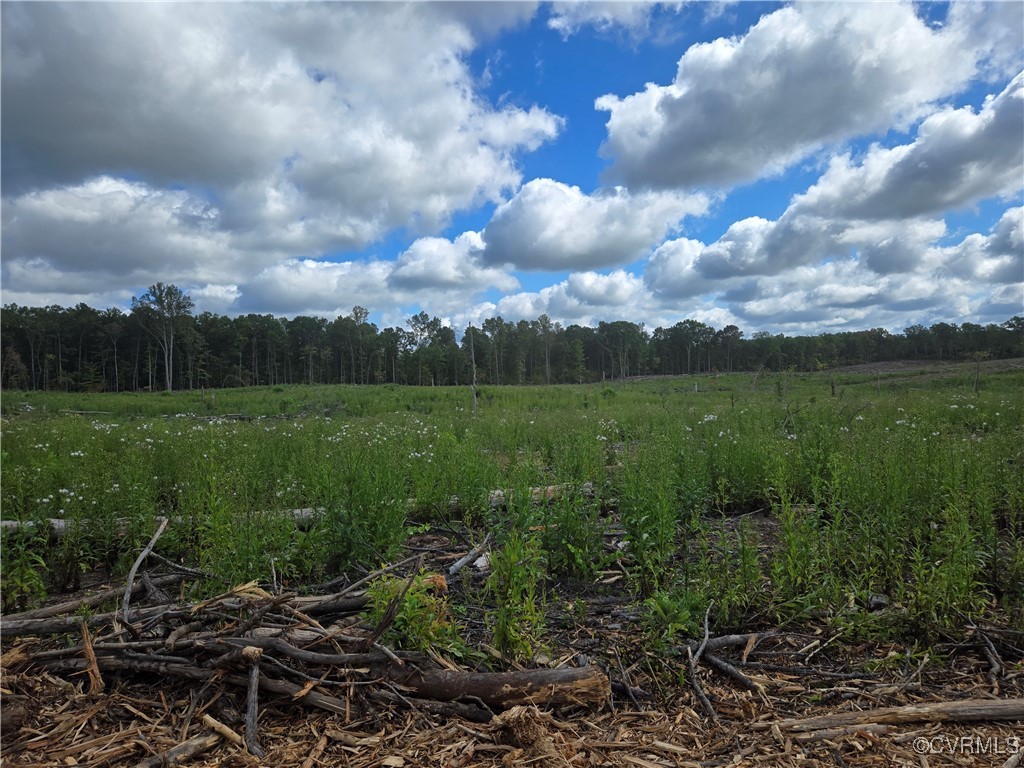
599	698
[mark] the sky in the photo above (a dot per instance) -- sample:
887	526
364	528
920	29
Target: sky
792	168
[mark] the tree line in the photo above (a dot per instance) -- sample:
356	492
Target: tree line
162	344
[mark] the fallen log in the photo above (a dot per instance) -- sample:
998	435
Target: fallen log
431	690
305	517
13	626
501	690
932	712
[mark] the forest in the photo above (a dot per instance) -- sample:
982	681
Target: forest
161	344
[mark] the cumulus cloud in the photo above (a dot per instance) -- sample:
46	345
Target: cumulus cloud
881	209
957	157
308	287
585	298
883	277
996	258
109	229
803	77
847	295
552	226
320	127
436	263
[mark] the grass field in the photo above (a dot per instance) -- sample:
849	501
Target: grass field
772	498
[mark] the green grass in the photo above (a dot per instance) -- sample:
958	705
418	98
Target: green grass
911	489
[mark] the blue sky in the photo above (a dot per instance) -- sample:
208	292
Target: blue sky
794	168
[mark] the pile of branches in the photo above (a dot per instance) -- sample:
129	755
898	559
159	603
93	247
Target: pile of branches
320	651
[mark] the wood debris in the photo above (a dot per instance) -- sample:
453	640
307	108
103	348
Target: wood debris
220	681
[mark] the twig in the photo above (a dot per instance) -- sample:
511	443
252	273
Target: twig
472	555
196	698
179	567
707	634
281	645
216	725
917	674
178	754
822	647
135	567
367	578
625	679
698	689
963	710
728	669
314	754
995	666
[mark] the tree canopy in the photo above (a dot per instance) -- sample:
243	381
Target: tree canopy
162	344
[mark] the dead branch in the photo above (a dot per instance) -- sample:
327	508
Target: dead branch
135	567
469	557
91	600
252	708
180	753
17	627
933	712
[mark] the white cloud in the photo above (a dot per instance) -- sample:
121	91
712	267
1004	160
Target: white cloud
307	287
994	29
671	270
996	258
220	299
111	230
568	18
320	127
957	158
887	278
803	77
436	263
585	298
552	226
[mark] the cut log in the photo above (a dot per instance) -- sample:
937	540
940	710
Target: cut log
501	690
932	712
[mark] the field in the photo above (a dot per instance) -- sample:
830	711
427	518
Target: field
880	513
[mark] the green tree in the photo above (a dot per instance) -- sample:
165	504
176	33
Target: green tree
160	311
